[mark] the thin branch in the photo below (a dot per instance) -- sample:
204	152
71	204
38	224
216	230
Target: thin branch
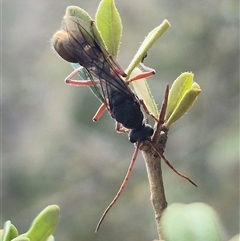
153	165
154	171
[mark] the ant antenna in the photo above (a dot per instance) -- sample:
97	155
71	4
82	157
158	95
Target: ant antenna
171	166
124	183
160	126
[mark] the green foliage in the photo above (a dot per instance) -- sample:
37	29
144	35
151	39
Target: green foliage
147	43
10	231
41	229
107	32
202	31
109	25
44	141
182	96
193	222
144	93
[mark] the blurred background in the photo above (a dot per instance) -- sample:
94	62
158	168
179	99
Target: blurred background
52	152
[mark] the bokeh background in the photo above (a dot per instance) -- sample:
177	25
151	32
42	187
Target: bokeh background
52	152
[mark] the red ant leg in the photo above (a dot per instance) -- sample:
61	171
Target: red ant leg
120	129
148	72
124	183
99	112
102	108
70	81
147	111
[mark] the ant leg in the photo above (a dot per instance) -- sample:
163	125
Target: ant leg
99	112
147	111
148	72
70	81
120	129
124	183
146	120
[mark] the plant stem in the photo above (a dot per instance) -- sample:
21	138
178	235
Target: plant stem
153	164
158	199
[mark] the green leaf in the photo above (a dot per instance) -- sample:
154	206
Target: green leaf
109	24
74	11
44	224
86	22
177	91
143	91
10	231
141	87
182	96
148	42
20	238
195	222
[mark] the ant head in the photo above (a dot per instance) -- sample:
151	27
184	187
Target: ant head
60	42
142	134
